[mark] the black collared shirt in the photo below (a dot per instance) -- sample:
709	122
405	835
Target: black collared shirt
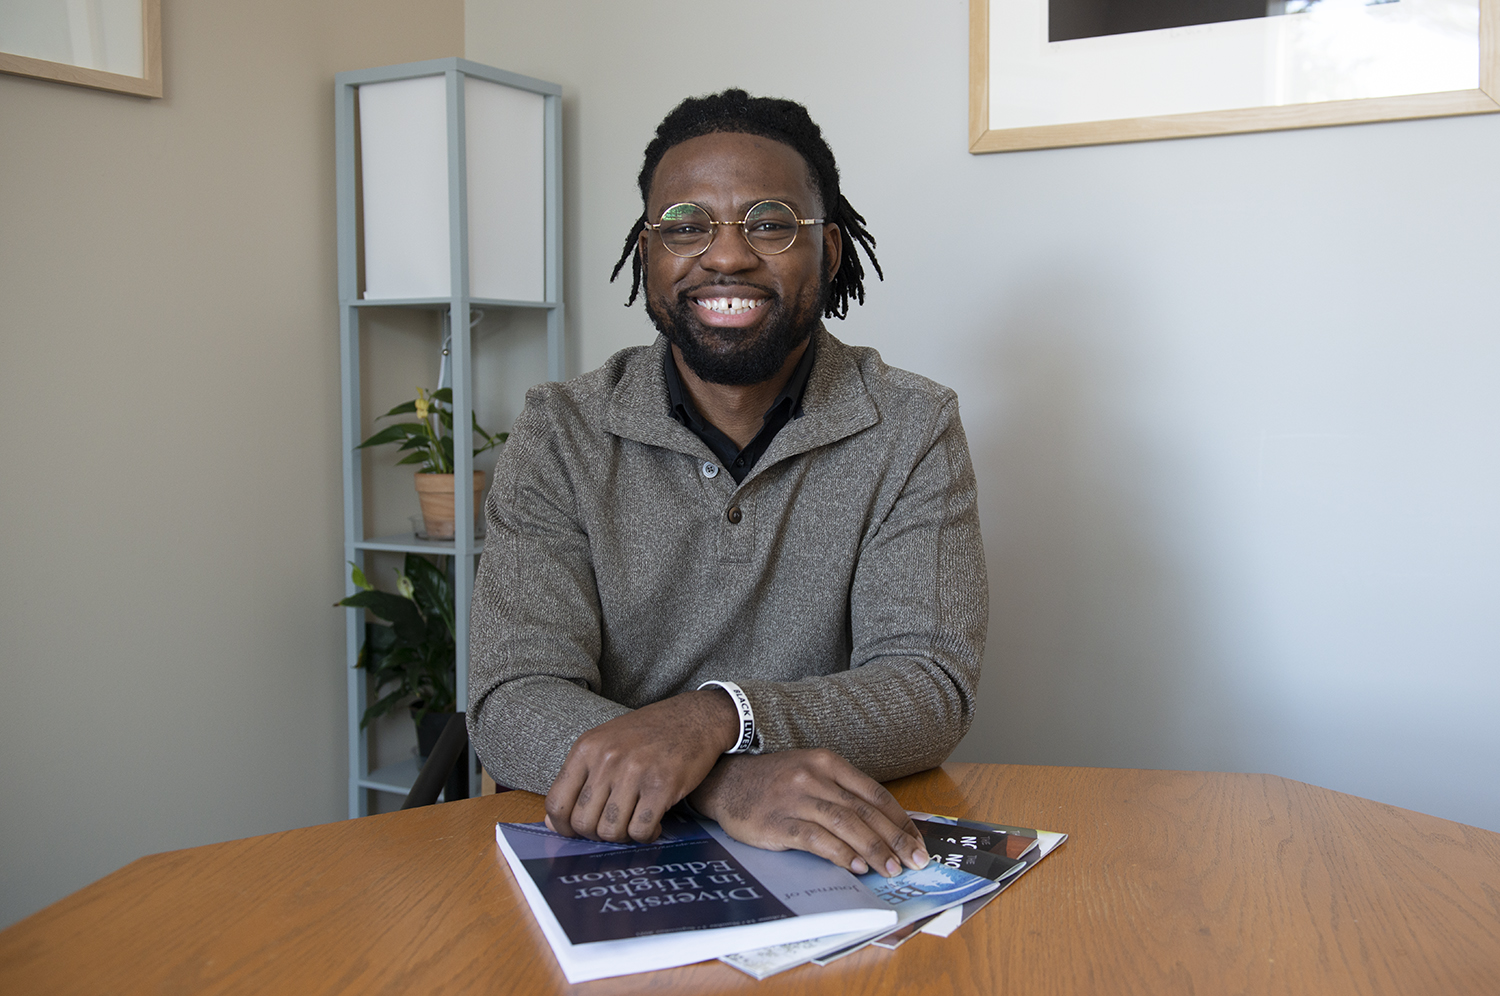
739	462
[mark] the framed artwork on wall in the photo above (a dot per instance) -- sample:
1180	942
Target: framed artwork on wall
1052	73
104	44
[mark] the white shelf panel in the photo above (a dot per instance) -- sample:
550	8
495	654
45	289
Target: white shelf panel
444	302
395	778
408	543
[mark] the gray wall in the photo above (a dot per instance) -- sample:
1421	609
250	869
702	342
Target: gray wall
171	666
1231	399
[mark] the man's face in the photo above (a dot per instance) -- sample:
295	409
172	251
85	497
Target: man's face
736	315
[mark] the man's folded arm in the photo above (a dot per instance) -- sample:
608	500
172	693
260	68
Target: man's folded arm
535	627
919	609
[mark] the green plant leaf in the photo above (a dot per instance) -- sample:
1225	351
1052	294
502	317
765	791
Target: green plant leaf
390	434
413	658
430	584
358	577
400	612
380	638
408	408
443	394
387	704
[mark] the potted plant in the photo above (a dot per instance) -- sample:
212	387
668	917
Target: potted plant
410	656
430	442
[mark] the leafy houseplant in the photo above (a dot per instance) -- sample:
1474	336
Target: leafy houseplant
429	441
413	653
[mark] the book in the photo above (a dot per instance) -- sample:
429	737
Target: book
914	895
692	894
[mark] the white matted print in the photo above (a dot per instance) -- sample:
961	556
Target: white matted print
104	44
1047	73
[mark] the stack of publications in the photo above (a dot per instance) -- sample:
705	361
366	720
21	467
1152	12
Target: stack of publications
695	893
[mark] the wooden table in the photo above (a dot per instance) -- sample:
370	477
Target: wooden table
1170	882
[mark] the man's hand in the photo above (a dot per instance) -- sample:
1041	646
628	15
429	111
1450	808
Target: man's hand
621	776
811	800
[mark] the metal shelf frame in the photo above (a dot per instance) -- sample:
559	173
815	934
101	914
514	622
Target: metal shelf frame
397	778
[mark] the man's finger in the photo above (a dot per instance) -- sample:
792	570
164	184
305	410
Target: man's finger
645	824
864	829
887	818
617	815
562	797
589	808
806	835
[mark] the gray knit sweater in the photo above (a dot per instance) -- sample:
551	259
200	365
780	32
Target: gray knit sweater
849	600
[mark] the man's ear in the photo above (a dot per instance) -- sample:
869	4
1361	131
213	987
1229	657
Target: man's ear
833	248
642	246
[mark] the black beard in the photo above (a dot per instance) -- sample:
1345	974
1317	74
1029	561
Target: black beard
721	356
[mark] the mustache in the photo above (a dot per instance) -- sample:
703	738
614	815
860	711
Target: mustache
683	295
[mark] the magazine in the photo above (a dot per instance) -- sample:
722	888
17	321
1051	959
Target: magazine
692	894
1028	846
983	853
1010	851
913	895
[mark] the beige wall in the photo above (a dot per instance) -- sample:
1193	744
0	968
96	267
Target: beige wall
170	664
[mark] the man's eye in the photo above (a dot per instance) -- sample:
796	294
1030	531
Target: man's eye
769	225
683	229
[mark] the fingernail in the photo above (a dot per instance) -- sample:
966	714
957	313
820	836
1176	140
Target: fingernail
859	867
892	868
919	858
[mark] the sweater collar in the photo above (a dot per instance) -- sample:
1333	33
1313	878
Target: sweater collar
835	405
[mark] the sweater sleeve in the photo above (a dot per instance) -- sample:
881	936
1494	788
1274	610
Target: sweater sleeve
535	625
919	611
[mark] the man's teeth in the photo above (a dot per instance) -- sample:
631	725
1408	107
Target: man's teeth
731	305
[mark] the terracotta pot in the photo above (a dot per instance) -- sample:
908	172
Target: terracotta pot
436	494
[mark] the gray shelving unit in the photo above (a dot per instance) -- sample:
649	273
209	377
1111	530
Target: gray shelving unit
465	548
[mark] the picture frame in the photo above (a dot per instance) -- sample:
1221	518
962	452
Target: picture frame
1080	81
87	24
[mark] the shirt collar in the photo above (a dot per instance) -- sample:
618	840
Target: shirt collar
681	407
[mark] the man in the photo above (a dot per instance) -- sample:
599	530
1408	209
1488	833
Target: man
741	566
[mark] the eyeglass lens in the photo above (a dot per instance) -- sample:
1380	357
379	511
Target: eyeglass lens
687	229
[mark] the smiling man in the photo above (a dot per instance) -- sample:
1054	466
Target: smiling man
741	566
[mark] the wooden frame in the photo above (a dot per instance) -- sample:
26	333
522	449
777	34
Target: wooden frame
982	138
149	85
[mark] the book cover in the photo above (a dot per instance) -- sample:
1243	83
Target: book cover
692	894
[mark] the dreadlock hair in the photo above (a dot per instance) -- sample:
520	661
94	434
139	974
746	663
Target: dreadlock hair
784	121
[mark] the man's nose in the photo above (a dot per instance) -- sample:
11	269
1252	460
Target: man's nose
729	252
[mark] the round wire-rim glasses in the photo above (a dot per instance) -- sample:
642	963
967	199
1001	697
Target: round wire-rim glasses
770	227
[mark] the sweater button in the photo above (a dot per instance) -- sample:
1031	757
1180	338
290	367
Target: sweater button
709	470
734	515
